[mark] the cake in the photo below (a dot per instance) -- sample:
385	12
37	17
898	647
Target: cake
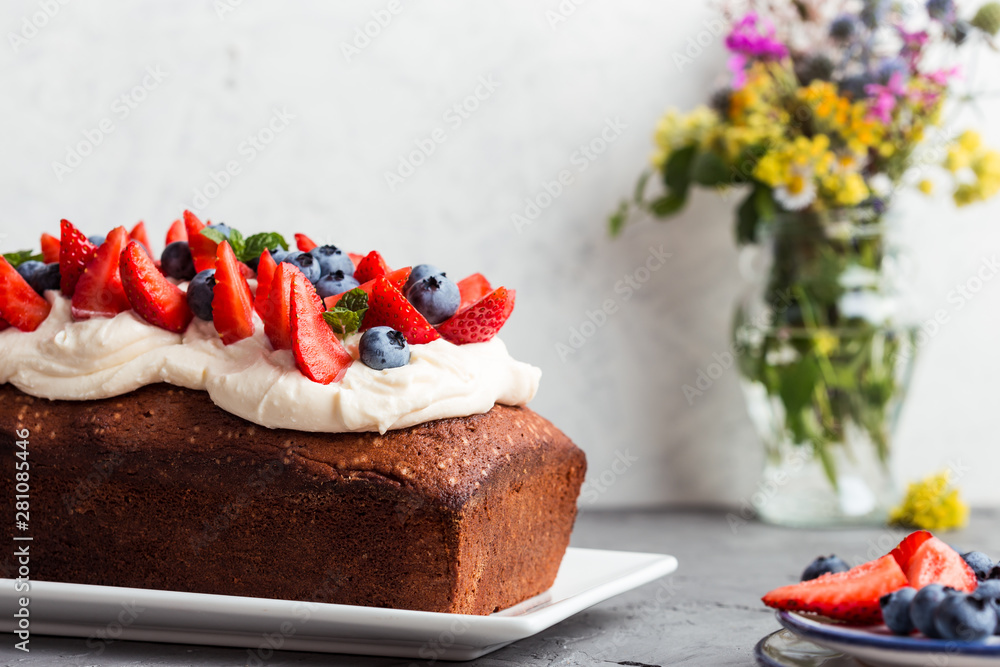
294	444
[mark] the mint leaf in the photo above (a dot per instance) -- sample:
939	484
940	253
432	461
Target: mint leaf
214	235
255	245
343	321
355	300
18	258
236	241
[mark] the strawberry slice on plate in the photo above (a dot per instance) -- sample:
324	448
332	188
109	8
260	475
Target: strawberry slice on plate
177	232
99	292
397	278
20	305
482	320
356	258
387	307
74	253
265	273
370	267
472	289
203	249
139	234
153	297
50	249
851	597
232	302
318	352
934	562
904	550
4	324
304	243
277	312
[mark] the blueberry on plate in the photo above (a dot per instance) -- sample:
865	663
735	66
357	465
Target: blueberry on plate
824	565
40	276
980	563
383	347
896	610
332	259
923	606
177	262
222	228
306	263
435	297
965	617
97	239
335	283
419	272
988	589
200	292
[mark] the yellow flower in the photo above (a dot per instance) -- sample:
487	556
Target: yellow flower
931	504
825	342
676	130
970	140
926	186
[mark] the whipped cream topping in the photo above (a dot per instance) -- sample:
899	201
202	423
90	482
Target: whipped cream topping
106	357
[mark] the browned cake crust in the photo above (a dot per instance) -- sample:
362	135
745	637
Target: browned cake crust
161	489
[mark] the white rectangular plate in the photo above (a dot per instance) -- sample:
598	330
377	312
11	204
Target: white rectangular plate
586	577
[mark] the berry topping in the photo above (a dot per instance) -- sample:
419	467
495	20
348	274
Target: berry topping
200	293
332	259
824	565
305	263
99	292
318	352
396	278
20	305
97	239
936	562
74	253
382	347
232	303
851	597
153	297
177	232
980	563
435	297
371	267
904	550
222	228
139	234
965	617
304	243
923	606
472	289
177	262
388	307
277	322
40	276
482	320
266	267
202	248
419	272
335	283
50	249
896	610
355	259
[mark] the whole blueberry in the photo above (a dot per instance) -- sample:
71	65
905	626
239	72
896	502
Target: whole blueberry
177	262
383	347
277	255
435	297
306	263
922	608
40	276
994	573
980	563
97	239
824	565
896	610
332	259
222	228
965	617
988	589
335	283
201	289
419	272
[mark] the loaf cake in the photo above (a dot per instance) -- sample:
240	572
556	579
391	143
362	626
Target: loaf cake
294	445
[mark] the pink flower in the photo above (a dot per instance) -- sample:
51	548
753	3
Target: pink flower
737	65
753	37
941	77
913	44
885	97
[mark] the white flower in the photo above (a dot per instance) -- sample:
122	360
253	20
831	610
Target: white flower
796	194
880	184
855	277
871	307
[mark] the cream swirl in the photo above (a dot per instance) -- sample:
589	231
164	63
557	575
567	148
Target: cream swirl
105	357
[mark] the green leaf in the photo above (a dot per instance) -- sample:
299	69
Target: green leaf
356	300
343	321
798	379
668	204
618	219
640	187
258	243
746	220
677	172
18	258
236	242
213	234
709	170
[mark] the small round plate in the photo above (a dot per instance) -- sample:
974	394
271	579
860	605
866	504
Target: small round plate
877	646
784	648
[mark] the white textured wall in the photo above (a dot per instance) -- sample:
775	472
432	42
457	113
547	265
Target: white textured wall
555	87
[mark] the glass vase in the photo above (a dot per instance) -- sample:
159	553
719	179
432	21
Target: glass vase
825	365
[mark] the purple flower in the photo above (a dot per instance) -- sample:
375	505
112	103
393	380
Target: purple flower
913	44
753	37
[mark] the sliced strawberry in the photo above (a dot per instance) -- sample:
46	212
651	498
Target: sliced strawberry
388	307
153	297
139	234
472	289
482	320
356	258
851	597
265	272
304	243
50	249
277	313
177	232
371	267
74	253
934	562
319	354
203	249
232	302
20	305
99	292
397	278
905	550
4	324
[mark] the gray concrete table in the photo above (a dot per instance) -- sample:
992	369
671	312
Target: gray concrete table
707	613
